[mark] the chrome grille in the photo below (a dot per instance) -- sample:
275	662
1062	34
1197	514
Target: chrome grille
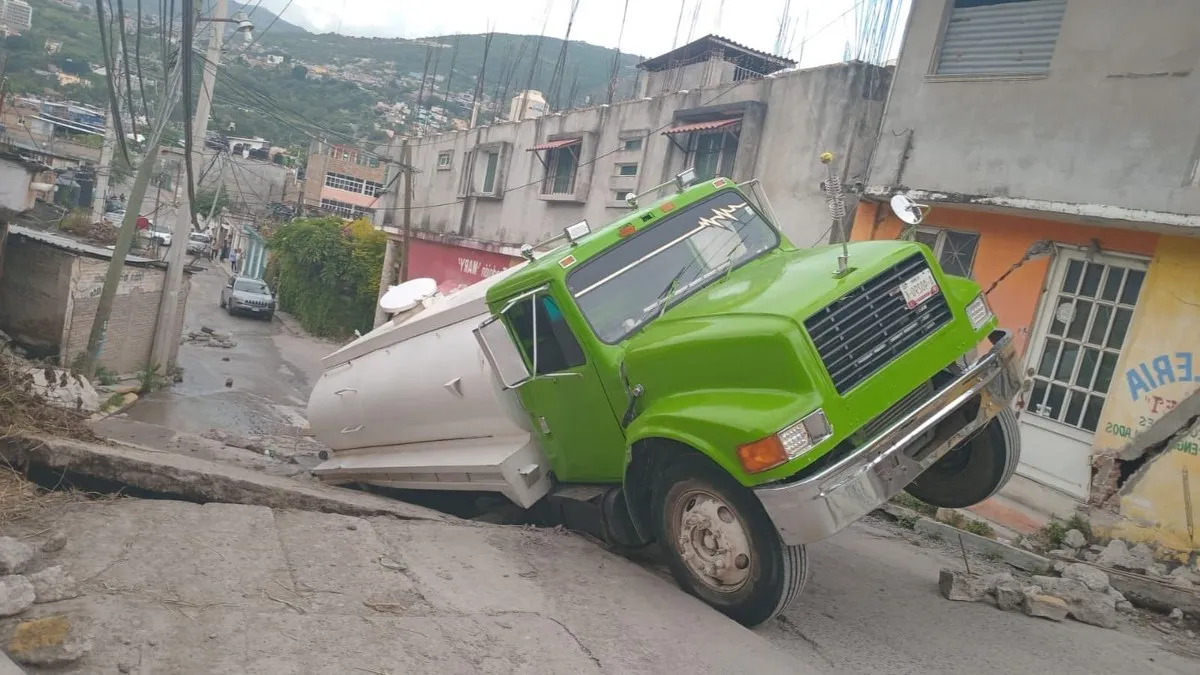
862	331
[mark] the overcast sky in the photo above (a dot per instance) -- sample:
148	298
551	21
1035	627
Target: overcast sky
819	29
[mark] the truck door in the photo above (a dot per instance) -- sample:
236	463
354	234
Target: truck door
571	414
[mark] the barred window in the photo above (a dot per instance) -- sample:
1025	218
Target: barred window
343	182
373	189
343	209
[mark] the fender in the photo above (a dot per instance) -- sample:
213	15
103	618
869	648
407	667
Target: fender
712	422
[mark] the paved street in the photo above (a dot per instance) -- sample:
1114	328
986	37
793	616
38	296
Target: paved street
273	367
872	604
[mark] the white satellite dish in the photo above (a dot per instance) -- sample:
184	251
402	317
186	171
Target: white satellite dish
407	295
908	210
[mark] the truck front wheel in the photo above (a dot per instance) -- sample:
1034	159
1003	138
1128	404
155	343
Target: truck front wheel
975	470
721	546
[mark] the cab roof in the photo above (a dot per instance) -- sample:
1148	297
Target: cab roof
559	262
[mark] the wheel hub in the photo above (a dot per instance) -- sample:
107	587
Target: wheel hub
712	542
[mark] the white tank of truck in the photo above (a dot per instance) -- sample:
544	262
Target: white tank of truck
415	404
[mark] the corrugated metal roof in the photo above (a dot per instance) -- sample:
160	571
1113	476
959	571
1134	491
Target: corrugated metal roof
701	126
760	62
73	246
552	145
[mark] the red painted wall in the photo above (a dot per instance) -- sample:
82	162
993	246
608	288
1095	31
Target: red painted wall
453	266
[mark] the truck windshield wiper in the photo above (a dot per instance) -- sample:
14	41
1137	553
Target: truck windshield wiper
664	297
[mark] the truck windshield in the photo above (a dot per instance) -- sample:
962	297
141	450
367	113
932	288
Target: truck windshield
626	286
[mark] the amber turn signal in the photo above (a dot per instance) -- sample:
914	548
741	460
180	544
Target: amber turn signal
761	455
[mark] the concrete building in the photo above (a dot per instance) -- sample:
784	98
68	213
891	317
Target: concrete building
480	194
251	184
16	15
1060	137
342	180
527	105
49	291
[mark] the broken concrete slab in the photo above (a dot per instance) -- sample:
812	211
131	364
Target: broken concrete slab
53	584
1095	579
963	586
199	480
1083	604
15	555
1021	559
246	589
16	594
1010	595
1044	606
1118	555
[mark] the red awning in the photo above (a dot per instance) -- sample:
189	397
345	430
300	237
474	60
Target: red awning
554	145
709	125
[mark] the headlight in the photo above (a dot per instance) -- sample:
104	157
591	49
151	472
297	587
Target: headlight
785	445
978	312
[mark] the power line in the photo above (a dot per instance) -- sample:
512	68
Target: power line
109	77
620	147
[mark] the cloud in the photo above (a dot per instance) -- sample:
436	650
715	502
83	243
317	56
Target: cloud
819	29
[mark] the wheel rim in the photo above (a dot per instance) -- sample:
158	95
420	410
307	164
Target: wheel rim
711	541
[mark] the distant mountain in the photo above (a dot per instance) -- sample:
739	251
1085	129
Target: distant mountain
510	58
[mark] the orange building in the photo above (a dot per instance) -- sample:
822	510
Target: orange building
1067	184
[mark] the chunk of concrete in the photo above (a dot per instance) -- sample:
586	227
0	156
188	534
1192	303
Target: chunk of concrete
50	641
1010	595
964	587
1074	539
1044	606
16	594
1118	555
1094	579
53	584
15	555
1083	604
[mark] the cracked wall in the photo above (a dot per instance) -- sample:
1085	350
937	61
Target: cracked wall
1147	446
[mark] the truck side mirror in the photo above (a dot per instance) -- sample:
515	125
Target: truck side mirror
502	353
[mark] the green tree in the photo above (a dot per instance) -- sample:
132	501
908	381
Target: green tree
204	202
326	273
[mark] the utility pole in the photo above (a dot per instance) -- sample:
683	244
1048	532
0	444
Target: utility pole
129	226
397	247
166	332
104	170
406	155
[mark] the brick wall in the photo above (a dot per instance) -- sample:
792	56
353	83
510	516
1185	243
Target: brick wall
33	292
130	335
321	162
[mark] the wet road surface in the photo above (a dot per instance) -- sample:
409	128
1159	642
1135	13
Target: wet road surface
273	368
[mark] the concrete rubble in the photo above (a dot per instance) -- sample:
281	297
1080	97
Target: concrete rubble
52	640
1082	593
212	338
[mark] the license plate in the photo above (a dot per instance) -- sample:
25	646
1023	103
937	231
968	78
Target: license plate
919	288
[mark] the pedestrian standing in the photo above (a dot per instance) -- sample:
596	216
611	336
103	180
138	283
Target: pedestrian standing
224	251
233	260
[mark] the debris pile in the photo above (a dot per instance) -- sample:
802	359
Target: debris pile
210	337
40	398
52	640
1082	593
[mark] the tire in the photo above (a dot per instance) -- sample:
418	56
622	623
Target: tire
270	317
222	304
693	488
975	470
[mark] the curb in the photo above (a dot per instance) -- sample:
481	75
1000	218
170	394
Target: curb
194	479
1019	558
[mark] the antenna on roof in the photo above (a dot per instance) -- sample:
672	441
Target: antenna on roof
832	186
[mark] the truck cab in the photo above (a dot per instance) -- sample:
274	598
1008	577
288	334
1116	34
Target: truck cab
736	397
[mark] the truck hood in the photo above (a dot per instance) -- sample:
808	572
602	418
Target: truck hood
746	331
244	296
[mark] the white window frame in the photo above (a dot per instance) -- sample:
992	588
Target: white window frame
341	181
445	160
552	159
726	157
1044	317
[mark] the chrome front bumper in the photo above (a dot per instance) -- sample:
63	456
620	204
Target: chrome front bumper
821	505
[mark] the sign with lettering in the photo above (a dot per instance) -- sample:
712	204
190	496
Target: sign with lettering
452	266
